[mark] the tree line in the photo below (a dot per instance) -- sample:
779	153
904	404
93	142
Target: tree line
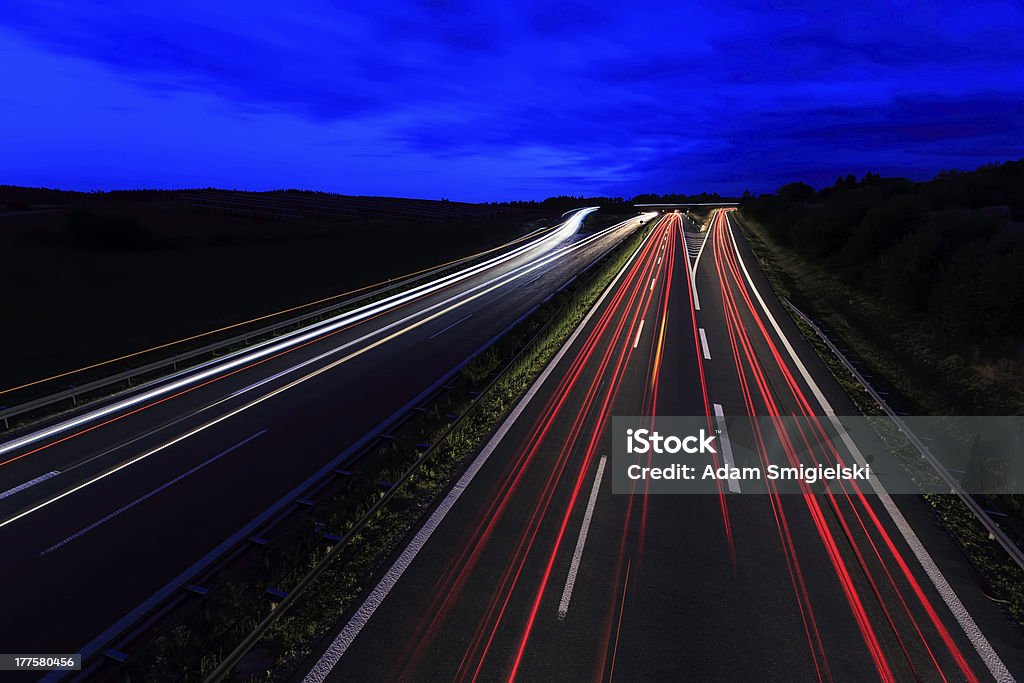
950	250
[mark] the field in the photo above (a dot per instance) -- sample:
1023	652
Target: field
93	276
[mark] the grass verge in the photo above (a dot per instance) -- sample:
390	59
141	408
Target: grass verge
828	299
191	642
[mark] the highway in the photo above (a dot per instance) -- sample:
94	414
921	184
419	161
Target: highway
105	510
532	569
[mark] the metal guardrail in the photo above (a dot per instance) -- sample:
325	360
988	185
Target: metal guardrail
440	384
126	376
995	532
232	659
383	432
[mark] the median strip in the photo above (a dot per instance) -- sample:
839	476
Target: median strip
365	521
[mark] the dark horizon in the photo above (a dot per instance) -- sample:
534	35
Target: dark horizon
817	187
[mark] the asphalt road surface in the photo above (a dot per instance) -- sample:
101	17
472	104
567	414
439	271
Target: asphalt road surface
116	505
532	569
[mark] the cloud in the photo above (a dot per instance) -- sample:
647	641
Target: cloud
620	98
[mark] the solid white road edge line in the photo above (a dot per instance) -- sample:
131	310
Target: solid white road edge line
510	276
577	555
985	650
263	349
704	344
348	633
354	354
734	484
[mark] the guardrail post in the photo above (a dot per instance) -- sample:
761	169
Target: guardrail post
995	532
273	331
74	401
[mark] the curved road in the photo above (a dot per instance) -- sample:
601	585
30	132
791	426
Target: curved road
532	569
102	510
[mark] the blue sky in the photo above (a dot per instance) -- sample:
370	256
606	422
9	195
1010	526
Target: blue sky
514	100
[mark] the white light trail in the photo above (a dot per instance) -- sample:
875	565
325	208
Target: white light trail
547	242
